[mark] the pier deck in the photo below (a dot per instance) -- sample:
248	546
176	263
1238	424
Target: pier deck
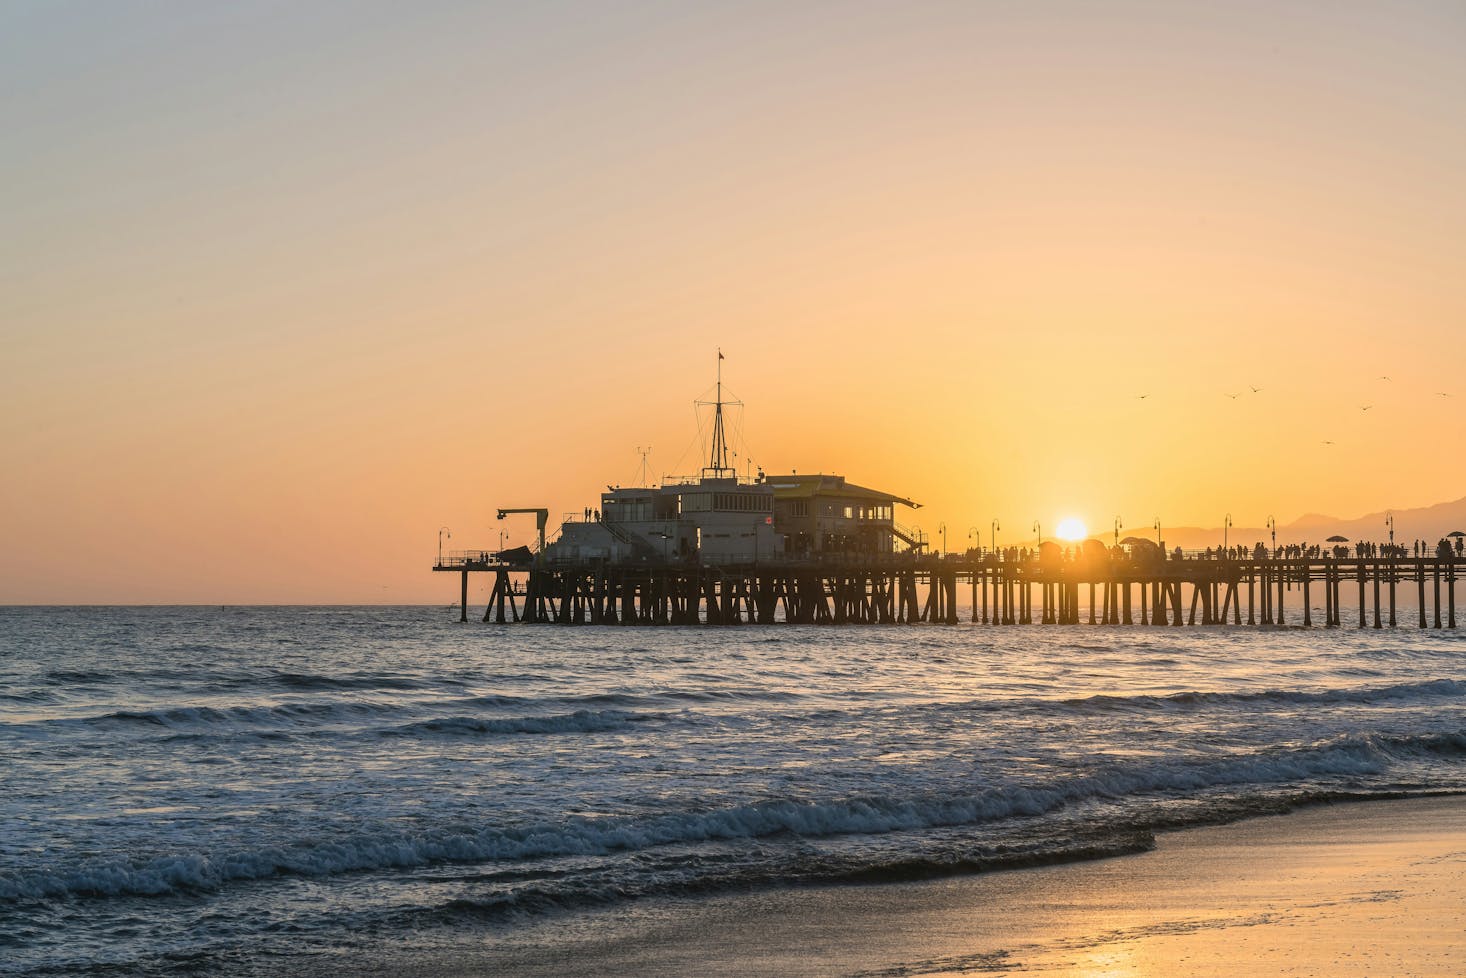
907	589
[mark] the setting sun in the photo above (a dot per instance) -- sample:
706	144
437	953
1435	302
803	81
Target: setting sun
1071	529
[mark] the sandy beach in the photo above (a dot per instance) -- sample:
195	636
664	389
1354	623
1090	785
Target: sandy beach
1375	888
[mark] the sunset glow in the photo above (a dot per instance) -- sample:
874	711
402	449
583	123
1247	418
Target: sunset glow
289	288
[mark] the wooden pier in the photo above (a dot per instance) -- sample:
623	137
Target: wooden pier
1004	589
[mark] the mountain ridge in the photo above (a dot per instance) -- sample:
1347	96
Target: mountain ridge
1428	523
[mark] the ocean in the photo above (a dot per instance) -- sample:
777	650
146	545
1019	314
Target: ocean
252	791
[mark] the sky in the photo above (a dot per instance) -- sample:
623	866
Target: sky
286	288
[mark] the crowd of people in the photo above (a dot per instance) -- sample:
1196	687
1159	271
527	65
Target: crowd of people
1445	548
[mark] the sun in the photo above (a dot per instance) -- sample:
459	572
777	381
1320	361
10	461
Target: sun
1071	529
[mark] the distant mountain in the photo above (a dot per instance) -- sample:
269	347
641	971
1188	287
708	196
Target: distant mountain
1428	523
1310	521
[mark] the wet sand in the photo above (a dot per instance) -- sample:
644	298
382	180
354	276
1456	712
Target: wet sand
1375	888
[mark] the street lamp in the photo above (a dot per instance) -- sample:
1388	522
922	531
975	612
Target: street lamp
1037	528
1118	527
993	537
442	530
1272	524
1226	525
1390	522
975	536
942	529
1158	533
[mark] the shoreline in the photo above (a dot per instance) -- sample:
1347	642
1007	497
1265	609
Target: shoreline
1375	887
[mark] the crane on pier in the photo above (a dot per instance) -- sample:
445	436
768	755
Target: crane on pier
541	517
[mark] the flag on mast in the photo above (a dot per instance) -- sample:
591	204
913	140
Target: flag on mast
720	354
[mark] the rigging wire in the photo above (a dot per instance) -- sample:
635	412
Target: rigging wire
696	439
738	444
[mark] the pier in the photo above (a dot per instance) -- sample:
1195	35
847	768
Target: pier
1115	587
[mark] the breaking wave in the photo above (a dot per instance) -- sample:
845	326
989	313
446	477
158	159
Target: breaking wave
584	836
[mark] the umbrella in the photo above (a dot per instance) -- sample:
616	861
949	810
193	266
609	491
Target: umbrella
1337	539
1456	533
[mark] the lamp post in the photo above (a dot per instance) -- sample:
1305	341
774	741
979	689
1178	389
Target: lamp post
1226	525
1158	534
993	536
942	529
1038	529
975	536
442	530
1118	527
1390	522
1272	525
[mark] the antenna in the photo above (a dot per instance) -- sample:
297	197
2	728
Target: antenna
644	452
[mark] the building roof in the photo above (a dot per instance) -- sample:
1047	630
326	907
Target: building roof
809	486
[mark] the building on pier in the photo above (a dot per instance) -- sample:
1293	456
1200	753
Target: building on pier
826	514
718	518
713	519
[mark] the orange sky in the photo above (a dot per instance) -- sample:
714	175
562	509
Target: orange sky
284	290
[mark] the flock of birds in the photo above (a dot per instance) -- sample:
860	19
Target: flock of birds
1258	390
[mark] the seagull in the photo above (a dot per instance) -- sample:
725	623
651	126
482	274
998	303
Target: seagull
1255	390
1382	377
1441	394
1144	396
1366	407
1328	443
1232	396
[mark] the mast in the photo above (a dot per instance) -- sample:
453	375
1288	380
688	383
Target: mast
717	465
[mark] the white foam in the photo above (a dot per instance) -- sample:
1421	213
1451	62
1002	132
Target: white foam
1347	755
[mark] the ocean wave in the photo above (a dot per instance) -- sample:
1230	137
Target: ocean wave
30	696
1345	756
581	721
1359	695
1187	700
213	717
254	679
354	680
956	855
191	722
630	699
68	677
538	895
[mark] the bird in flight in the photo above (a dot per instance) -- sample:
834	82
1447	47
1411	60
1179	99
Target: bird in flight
1232	396
1441	394
1328	443
1382	377
1365	407
1255	390
1144	396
